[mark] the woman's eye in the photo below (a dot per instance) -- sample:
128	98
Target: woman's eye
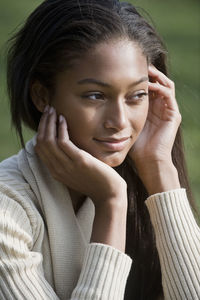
94	96
138	96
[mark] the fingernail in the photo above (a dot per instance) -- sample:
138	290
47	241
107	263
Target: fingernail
61	118
46	108
151	66
51	110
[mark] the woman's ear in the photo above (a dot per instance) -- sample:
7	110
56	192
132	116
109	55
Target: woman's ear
39	95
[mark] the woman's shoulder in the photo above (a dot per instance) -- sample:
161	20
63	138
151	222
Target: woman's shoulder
9	170
13	181
12	169
16	195
11	176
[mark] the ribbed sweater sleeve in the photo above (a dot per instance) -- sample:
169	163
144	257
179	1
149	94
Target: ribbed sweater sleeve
178	244
20	268
103	275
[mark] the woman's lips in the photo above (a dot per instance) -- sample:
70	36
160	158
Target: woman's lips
113	144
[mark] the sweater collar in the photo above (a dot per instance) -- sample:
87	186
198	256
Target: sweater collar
68	233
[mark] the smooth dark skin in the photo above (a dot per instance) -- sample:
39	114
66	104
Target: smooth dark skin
92	112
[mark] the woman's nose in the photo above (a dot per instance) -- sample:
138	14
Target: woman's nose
116	116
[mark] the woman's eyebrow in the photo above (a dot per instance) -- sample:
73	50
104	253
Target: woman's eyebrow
104	84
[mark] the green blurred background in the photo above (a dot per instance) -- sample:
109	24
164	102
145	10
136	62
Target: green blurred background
179	24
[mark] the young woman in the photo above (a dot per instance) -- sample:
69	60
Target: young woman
96	205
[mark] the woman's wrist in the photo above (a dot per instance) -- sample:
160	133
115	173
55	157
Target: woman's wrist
109	226
159	176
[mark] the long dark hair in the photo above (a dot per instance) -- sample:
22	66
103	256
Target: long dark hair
54	35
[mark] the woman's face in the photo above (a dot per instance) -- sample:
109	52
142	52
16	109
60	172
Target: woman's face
103	98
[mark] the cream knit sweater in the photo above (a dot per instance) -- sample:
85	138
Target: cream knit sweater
45	249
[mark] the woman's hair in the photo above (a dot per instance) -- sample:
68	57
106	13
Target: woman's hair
54	36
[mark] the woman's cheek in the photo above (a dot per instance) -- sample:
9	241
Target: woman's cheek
139	117
80	128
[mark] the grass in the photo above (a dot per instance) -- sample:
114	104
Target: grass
179	24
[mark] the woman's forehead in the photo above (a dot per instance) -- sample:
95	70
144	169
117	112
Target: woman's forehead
110	60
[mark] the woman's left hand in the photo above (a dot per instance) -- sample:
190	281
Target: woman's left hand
155	142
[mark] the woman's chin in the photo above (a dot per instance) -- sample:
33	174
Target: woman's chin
113	160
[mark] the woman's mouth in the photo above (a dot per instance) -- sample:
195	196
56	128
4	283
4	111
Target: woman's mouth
113	144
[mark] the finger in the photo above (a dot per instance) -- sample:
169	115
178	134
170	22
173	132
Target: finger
51	125
49	163
53	157
47	140
59	169
46	146
160	77
64	141
42	124
166	93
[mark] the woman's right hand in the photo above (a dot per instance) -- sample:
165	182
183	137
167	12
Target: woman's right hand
80	171
76	168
